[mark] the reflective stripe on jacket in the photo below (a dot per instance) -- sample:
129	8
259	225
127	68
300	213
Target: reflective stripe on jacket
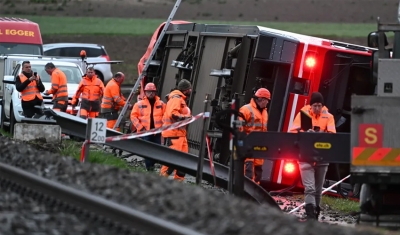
140	115
175	110
112	100
255	120
90	89
325	120
31	91
59	87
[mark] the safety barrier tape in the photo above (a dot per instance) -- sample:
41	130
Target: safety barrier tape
155	130
146	133
210	157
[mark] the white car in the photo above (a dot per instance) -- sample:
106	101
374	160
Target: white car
95	54
12	110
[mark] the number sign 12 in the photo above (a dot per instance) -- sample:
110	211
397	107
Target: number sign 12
98	130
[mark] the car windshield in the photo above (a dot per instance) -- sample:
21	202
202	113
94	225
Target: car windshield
73	74
18	48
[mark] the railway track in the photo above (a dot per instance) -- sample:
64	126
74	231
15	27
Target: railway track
32	173
111	215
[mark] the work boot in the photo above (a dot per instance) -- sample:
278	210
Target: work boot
310	212
317	212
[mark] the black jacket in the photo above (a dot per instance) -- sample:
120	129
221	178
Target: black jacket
21	86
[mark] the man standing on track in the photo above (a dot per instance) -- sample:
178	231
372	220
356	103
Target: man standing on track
175	111
147	114
313	173
256	118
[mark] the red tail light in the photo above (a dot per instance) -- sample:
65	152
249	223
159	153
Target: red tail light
289	167
106	56
310	60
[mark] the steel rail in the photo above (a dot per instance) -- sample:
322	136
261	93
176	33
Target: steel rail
132	218
75	126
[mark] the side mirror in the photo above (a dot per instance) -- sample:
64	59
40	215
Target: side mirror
373	39
9	79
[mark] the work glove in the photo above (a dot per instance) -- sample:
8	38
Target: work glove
46	92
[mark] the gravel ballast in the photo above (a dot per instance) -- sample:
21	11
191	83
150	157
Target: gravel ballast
206	211
21	215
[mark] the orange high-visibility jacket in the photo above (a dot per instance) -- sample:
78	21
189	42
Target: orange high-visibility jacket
59	87
325	120
112	100
140	115
91	89
176	110
255	120
31	91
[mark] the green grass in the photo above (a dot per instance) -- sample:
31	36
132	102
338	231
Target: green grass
50	25
73	149
341	205
5	133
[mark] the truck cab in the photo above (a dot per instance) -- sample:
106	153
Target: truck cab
20	36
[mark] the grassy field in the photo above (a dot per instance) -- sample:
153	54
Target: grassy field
121	26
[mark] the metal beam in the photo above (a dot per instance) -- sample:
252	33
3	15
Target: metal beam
303	146
181	161
389	27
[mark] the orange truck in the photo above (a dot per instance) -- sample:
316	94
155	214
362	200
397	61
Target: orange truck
20	36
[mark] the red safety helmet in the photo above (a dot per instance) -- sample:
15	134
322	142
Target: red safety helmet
150	87
263	93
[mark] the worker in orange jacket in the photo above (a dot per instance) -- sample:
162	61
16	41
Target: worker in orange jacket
113	100
92	89
175	111
147	114
256	118
29	85
59	87
313	173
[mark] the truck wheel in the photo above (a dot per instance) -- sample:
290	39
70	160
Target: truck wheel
3	118
12	121
365	193
365	196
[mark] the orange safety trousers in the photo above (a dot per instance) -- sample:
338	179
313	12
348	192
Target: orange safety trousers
180	144
88	114
111	124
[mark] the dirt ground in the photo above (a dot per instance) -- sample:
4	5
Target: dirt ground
130	49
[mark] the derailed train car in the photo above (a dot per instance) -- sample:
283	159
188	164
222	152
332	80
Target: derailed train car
222	60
